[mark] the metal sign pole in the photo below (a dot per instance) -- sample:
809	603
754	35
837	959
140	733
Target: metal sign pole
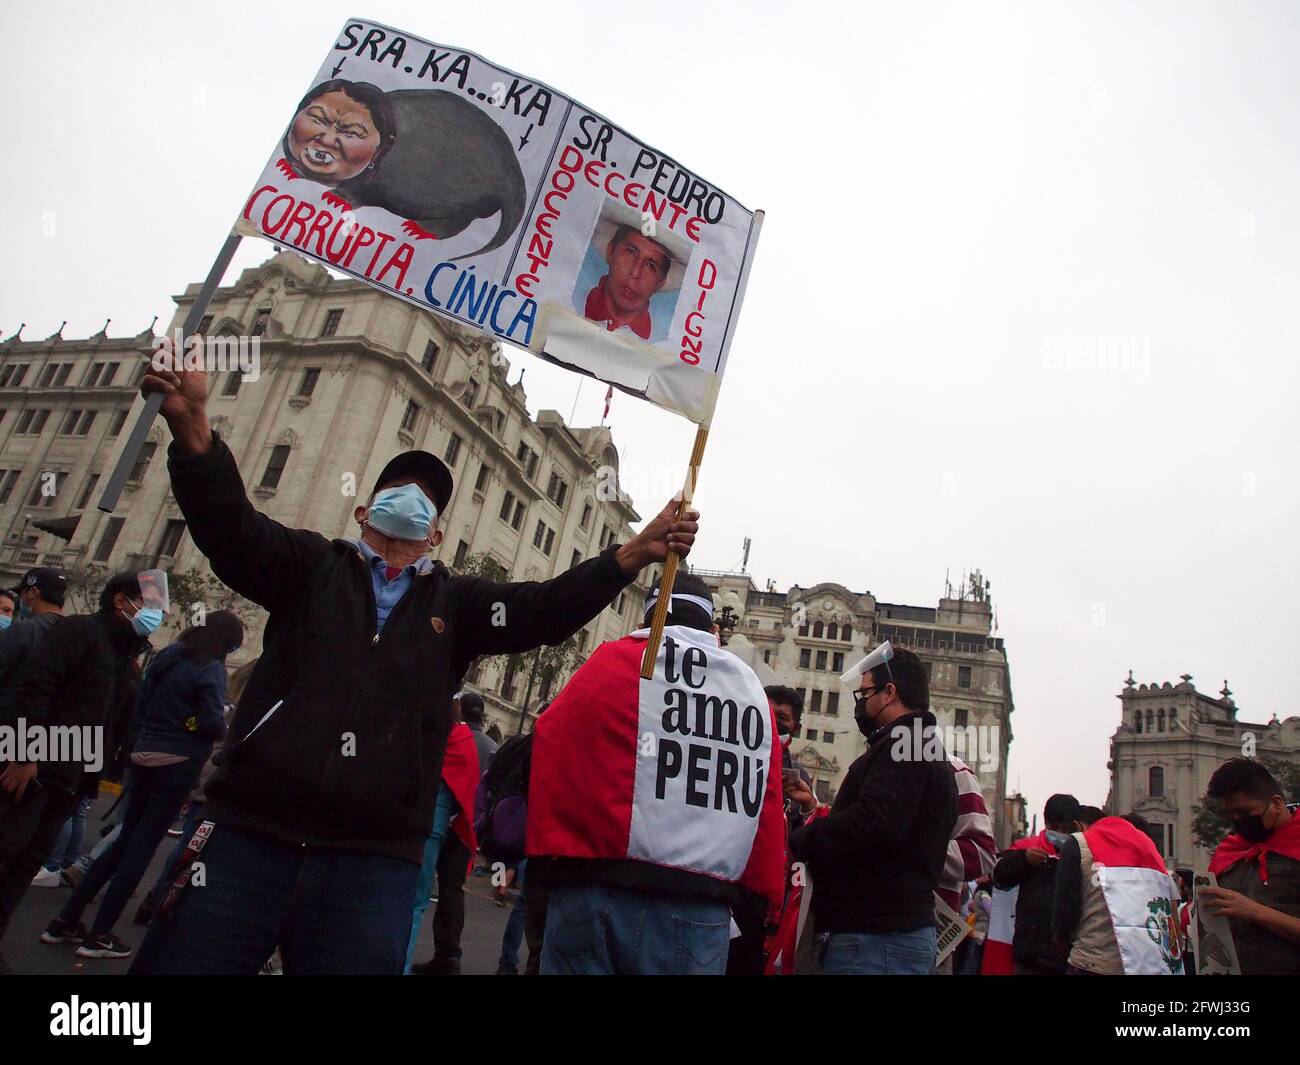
131	452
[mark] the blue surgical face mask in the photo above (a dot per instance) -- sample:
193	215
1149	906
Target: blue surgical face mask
24	611
5	622
403	513
1058	839
146	620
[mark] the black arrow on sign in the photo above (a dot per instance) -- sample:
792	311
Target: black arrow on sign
340	66
524	139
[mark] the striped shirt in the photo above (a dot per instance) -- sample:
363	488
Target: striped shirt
972	851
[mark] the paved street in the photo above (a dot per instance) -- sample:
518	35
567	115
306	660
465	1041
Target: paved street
484	922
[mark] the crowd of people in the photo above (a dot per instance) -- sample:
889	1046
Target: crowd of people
647	826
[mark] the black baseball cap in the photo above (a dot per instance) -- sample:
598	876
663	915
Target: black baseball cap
419	466
50	584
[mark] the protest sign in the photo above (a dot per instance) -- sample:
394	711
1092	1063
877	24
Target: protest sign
491	199
952	929
1216	953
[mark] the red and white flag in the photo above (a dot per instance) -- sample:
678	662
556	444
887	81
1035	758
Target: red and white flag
1140	896
609	395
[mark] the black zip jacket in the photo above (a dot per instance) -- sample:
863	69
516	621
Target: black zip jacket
71	677
352	757
876	858
1032	941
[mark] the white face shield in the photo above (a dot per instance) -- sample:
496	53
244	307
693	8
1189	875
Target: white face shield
153	589
879	656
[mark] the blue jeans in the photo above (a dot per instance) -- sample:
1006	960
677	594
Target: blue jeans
598	931
67	848
514	933
881	953
157	793
330	912
193	818
442	812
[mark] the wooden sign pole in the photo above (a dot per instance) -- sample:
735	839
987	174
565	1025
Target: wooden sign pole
670	565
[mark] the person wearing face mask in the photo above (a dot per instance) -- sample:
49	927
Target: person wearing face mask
39	595
877	857
181	715
324	797
1116	906
7	607
1258	868
1030	865
70	682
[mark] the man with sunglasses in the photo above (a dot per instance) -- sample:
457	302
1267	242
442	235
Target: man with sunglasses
877	857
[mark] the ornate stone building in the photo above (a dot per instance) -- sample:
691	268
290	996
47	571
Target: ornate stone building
347	378
806	637
1170	740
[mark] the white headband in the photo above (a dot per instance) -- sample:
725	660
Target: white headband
694	600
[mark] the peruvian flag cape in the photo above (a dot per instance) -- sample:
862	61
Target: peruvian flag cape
997	959
1285	841
681	771
460	774
1140	895
782	948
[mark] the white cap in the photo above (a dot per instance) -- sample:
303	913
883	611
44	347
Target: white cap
879	656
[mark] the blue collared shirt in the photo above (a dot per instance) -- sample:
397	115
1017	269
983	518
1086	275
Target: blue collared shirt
387	593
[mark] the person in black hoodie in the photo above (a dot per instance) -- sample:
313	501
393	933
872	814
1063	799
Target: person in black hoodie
1032	868
69	684
181	707
324	795
876	858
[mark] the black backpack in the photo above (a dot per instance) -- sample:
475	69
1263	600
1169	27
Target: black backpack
501	801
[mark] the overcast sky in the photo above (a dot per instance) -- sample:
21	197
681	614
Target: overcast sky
963	201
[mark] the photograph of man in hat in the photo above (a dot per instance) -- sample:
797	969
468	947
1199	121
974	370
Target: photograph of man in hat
641	260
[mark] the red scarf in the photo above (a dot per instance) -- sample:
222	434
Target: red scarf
1038	842
1284	841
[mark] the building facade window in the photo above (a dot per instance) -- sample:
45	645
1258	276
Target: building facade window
119	420
816	706
109	539
481	481
86	492
332	320
586	515
963	676
429	357
462	550
961	718
821	660
506	504
846	633
833	703
275	466
308	383
233	380
411	416
805	658
471	393
142	463
171	538
453	450
817	630
8	478
837	662
1156	782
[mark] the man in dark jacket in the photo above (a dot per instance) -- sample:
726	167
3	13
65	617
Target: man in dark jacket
1031	866
40	595
324	795
876	858
64	698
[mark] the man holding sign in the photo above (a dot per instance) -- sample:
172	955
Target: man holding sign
324	797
